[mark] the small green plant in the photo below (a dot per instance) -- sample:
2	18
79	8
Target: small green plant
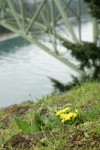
40	123
24	126
91	113
28	128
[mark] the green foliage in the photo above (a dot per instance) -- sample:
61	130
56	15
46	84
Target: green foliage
61	87
38	122
53	133
24	126
88	55
30	128
94	7
41	123
91	113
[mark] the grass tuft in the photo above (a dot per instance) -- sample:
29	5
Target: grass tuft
38	125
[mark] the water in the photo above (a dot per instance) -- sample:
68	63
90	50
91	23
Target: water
24	70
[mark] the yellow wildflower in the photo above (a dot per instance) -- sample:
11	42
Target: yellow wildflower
62	116
73	115
65	109
67	117
62	111
58	113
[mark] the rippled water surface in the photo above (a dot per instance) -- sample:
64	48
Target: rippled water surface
24	70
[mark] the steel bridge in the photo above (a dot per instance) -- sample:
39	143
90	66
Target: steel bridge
40	20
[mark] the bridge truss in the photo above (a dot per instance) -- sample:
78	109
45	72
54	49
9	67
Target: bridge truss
41	20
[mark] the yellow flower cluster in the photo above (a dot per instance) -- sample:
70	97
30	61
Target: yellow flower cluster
62	111
65	115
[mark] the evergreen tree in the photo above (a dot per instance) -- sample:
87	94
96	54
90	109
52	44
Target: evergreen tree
94	7
87	53
89	56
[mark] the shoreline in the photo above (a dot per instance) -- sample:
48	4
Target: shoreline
7	36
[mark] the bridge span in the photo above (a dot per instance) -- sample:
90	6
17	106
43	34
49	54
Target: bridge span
44	17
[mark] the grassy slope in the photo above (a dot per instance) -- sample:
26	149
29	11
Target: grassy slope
55	135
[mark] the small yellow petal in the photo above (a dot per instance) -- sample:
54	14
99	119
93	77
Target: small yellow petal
58	113
63	121
62	116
